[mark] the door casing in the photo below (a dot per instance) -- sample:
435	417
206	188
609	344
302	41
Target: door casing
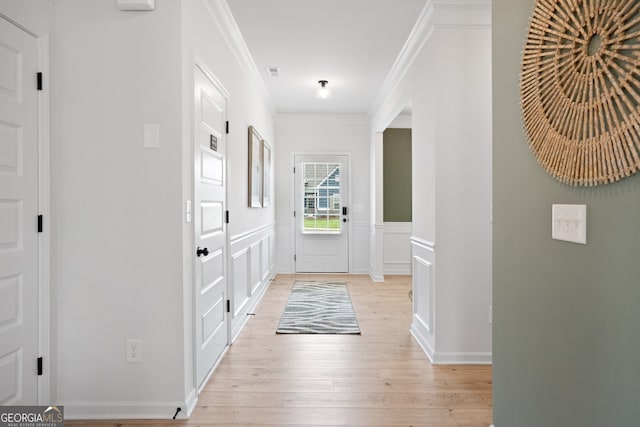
43	198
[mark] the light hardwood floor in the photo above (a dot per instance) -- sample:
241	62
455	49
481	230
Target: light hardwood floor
380	378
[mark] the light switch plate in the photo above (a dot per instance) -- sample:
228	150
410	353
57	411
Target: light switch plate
569	223
151	136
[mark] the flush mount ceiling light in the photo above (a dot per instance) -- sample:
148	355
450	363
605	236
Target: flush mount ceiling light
323	91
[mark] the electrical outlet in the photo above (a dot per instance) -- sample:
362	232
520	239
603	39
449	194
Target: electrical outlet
134	350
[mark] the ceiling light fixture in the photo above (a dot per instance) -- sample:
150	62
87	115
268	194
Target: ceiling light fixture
323	91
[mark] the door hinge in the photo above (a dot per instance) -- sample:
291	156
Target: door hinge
227	127
39	223
228	306
226	217
294	214
294	257
294	169
39	80
39	365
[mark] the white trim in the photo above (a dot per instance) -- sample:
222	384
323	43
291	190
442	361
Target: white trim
419	332
424	244
79	410
207	377
467	358
192	401
375	277
419	34
398	227
212	77
397	268
44	208
17	24
221	14
323	119
440	14
402	121
234	240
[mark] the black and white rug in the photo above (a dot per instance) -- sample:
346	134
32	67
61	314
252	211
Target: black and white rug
318	308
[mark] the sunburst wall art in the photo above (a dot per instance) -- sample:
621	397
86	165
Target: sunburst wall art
580	89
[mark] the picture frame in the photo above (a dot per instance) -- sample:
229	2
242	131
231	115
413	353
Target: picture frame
266	174
255	168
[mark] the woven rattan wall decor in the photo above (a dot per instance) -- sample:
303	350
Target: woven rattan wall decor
580	89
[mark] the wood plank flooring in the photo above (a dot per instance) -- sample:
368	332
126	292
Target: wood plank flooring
380	378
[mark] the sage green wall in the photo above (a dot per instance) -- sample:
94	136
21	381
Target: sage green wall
396	172
566	338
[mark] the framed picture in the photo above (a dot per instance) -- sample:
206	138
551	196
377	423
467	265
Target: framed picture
266	174
255	168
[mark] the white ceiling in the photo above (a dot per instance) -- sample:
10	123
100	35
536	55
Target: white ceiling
351	43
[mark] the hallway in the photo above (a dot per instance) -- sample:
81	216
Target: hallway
381	378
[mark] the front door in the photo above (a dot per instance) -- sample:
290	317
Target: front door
18	216
321	222
210	249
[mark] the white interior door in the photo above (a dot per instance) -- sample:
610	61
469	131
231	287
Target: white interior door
18	217
210	253
321	221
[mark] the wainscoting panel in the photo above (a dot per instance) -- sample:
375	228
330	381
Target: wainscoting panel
251	271
397	248
240	284
265	262
255	265
360	250
284	244
423	326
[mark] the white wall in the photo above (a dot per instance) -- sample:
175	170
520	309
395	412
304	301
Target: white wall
321	134
34	16
397	248
117	248
448	87
122	252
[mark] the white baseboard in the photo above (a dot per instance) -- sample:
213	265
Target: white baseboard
420	333
397	268
470	358
376	278
124	410
192	400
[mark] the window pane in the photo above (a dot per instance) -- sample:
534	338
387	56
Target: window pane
321	202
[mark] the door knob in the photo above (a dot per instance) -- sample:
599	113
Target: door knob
200	252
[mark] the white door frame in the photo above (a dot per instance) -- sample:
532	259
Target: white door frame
292	192
44	239
200	64
44	209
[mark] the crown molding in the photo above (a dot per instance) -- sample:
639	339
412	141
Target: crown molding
441	14
419	34
323	119
402	121
221	14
